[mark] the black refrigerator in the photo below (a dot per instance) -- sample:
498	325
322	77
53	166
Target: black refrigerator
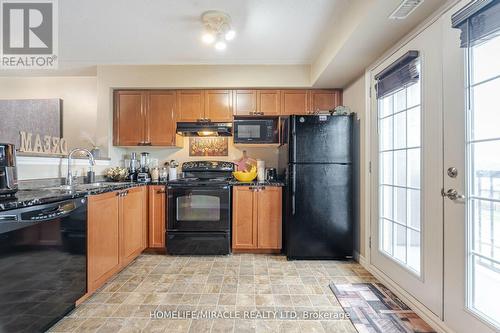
315	161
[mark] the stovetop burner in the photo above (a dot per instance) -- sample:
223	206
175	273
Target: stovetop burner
205	173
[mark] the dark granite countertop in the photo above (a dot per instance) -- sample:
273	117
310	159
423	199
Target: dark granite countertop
38	196
256	183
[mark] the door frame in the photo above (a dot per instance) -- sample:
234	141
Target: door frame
365	219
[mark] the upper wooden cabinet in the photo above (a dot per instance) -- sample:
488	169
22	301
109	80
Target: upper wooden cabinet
257	218
144	118
322	100
263	102
160	129
294	102
156	216
129	118
245	102
218	105
190	105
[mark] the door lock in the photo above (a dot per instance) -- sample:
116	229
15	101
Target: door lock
452	194
452	172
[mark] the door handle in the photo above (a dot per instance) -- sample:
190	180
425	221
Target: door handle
452	194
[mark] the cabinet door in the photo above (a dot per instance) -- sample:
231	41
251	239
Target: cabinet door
219	105
245	102
190	105
294	102
269	218
244	218
102	239
133	224
323	100
129	118
156	217
269	102
160	129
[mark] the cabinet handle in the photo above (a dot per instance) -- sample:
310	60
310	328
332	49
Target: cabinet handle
147	143
161	191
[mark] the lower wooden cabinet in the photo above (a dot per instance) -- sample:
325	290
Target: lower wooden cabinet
116	233
156	216
133	226
103	254
257	218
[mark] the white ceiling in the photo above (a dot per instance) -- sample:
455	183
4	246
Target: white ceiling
337	38
169	31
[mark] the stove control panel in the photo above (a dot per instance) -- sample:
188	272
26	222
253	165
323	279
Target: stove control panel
207	166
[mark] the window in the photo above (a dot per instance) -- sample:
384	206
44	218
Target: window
479	23
399	145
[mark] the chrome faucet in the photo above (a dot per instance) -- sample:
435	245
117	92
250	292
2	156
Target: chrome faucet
69	177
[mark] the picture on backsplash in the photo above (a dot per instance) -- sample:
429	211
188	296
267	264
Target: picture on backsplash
208	147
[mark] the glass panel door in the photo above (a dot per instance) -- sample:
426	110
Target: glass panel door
399	167
483	188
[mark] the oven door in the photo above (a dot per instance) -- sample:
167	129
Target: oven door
199	208
251	130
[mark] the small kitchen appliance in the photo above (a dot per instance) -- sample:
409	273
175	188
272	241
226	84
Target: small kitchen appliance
8	170
271	174
199	209
249	130
143	175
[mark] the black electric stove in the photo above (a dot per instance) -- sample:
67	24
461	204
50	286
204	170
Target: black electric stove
199	209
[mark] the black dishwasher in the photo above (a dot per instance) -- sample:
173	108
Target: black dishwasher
43	264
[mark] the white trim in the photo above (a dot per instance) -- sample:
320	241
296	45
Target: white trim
40	160
428	316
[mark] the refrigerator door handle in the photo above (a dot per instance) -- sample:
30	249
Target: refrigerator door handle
293	188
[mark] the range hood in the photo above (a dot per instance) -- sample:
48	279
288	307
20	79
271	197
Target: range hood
203	128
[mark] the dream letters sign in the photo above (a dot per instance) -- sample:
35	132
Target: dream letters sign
45	144
29	33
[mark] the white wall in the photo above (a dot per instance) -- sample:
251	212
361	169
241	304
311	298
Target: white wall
355	97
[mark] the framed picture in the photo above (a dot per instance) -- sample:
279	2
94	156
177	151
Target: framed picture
208	147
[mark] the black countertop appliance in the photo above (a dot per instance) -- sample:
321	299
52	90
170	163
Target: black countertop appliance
43	264
8	171
316	164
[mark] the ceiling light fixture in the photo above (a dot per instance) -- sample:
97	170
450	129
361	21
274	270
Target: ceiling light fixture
217	28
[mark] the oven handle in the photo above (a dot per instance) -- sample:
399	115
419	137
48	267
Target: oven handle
199	189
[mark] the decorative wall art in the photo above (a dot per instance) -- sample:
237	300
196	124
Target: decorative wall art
33	125
208	147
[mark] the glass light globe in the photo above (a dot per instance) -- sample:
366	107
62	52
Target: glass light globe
220	45
230	34
208	38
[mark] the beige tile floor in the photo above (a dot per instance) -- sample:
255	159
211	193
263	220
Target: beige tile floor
235	285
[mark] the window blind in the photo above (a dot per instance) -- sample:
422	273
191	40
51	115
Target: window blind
402	72
478	21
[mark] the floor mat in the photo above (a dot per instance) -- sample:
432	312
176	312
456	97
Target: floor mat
374	308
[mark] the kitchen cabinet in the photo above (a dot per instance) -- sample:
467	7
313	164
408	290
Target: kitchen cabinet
257	218
218	105
263	102
190	105
294	101
144	118
160	122
156	217
269	217
323	100
116	233
128	118
132	223
102	239
244	218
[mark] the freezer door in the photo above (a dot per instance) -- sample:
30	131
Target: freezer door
321	139
320	221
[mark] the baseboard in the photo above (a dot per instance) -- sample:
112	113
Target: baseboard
430	318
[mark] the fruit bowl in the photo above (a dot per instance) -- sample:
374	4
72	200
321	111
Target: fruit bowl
244	176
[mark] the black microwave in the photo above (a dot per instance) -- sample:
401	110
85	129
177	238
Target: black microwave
256	130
